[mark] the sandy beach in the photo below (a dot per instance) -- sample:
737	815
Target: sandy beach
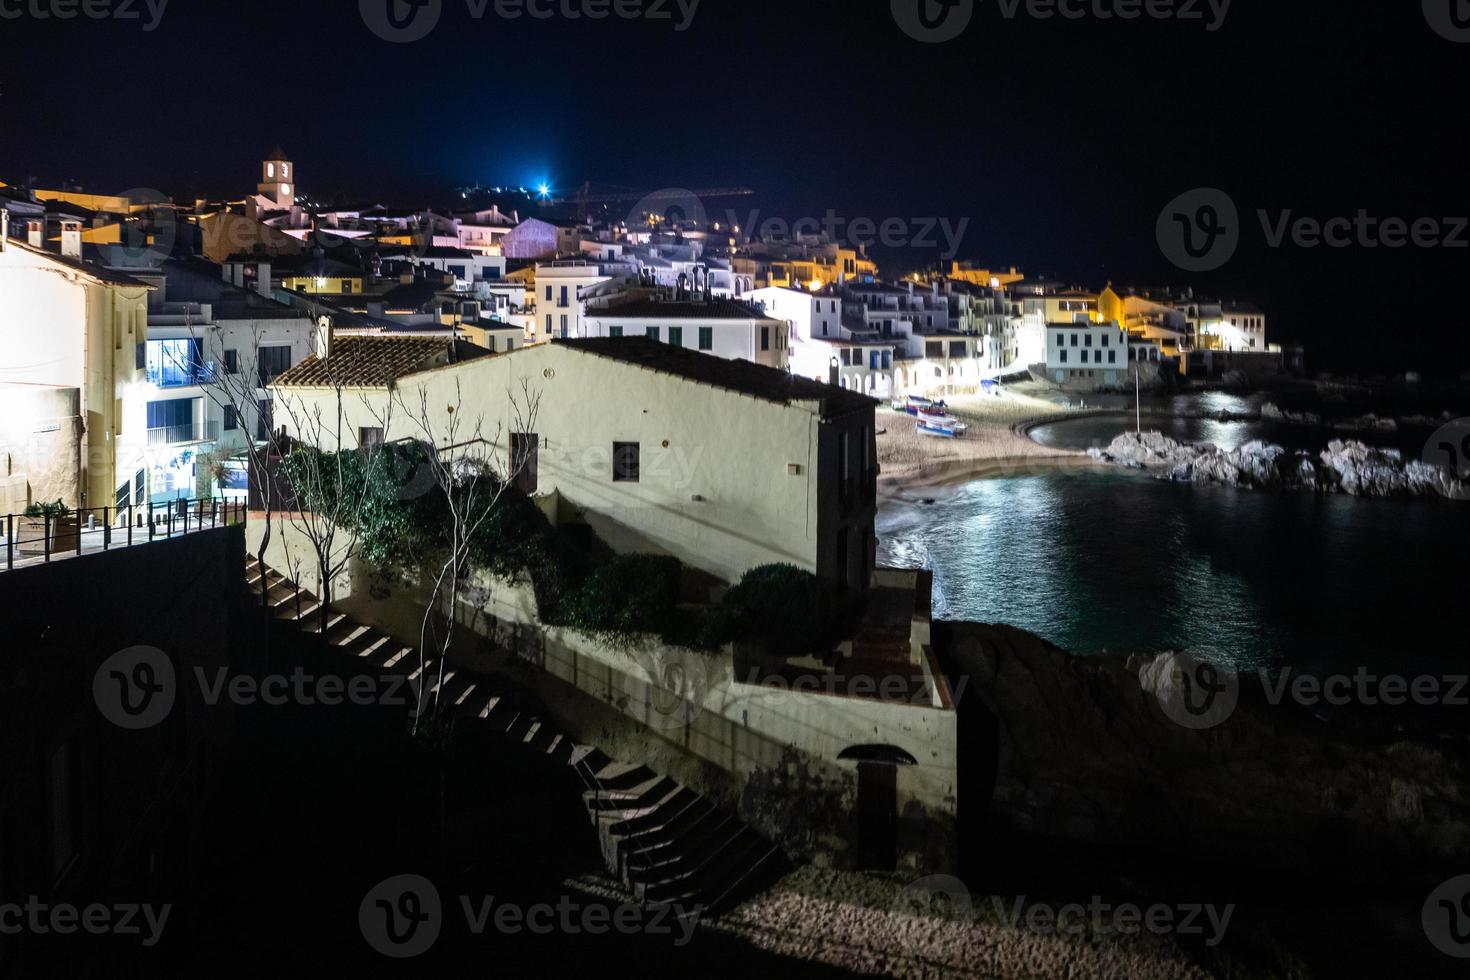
994	445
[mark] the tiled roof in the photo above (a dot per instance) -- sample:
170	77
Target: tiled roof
100	273
374	362
745	377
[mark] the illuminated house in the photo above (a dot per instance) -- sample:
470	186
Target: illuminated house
695	321
67	325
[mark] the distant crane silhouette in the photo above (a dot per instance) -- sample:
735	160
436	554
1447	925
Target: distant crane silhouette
585	198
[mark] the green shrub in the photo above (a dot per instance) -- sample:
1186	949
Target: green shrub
783	608
53	510
627	595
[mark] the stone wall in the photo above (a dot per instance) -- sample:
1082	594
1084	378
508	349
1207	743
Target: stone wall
40	446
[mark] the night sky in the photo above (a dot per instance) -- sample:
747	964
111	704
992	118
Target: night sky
1059	140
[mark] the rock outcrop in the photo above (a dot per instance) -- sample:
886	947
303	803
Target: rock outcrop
1095	749
1349	467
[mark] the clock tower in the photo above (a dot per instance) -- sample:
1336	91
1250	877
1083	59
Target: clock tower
278	180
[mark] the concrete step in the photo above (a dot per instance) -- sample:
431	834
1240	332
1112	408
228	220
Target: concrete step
714	876
621	775
657	815
639	797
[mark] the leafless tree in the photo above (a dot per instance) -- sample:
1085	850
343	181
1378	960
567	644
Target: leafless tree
472	469
325	500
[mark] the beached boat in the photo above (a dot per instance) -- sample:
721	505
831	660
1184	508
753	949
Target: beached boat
940	430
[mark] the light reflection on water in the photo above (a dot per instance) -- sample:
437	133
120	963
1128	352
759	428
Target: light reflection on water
1111	561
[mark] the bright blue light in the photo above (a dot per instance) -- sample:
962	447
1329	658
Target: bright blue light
543	190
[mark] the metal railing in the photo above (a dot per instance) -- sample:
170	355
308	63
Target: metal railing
99	529
183	433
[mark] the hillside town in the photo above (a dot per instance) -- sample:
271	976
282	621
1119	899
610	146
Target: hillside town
239	288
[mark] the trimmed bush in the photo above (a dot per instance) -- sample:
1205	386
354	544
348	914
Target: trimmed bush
629	594
781	607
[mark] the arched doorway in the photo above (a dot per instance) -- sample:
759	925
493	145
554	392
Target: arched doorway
877	803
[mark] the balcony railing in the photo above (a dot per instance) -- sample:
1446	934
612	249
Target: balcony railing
29	540
183	434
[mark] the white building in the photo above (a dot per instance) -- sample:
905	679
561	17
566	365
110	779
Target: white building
722	327
724	464
71	326
1086	354
560	287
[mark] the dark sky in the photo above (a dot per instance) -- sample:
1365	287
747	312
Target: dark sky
1059	140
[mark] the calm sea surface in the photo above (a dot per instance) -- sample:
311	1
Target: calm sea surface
1115	561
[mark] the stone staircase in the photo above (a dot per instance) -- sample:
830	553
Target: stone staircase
665	843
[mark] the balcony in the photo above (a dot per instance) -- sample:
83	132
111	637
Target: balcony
183	434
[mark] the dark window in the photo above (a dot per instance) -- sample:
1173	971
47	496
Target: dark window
1112	357
271	363
765	338
263	419
548	294
525	458
956	348
369	436
614	331
232	362
625	462
706	338
676	336
232	421
934	348
651	332
1064	356
140	356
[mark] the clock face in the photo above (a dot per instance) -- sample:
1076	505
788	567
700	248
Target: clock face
286	189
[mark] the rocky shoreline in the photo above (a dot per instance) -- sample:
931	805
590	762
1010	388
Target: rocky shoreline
1345	466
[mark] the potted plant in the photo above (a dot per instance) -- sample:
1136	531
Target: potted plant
64	526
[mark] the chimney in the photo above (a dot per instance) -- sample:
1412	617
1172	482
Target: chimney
36	233
263	279
325	333
71	238
4	228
